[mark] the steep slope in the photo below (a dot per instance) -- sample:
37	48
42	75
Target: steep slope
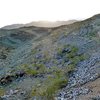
50	63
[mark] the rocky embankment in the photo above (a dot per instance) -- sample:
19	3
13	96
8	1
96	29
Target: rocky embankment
87	71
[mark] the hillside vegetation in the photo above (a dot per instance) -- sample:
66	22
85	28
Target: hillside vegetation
50	63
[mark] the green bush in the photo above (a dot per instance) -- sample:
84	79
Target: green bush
41	68
70	68
28	70
49	91
74	49
31	72
2	91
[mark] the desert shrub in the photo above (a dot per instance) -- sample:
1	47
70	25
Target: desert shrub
28	70
59	51
74	49
2	91
41	68
51	85
34	69
49	90
73	52
31	71
70	55
83	57
34	51
69	69
57	84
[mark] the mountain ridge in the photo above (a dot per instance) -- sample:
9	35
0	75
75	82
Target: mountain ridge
46	24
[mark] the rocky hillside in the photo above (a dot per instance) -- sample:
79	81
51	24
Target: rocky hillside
61	63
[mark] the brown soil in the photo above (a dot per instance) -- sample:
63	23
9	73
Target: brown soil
94	90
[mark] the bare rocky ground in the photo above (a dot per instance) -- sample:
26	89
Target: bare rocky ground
94	90
29	45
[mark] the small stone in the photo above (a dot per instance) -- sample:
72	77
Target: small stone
85	91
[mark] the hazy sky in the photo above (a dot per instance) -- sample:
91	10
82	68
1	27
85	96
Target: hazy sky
23	11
